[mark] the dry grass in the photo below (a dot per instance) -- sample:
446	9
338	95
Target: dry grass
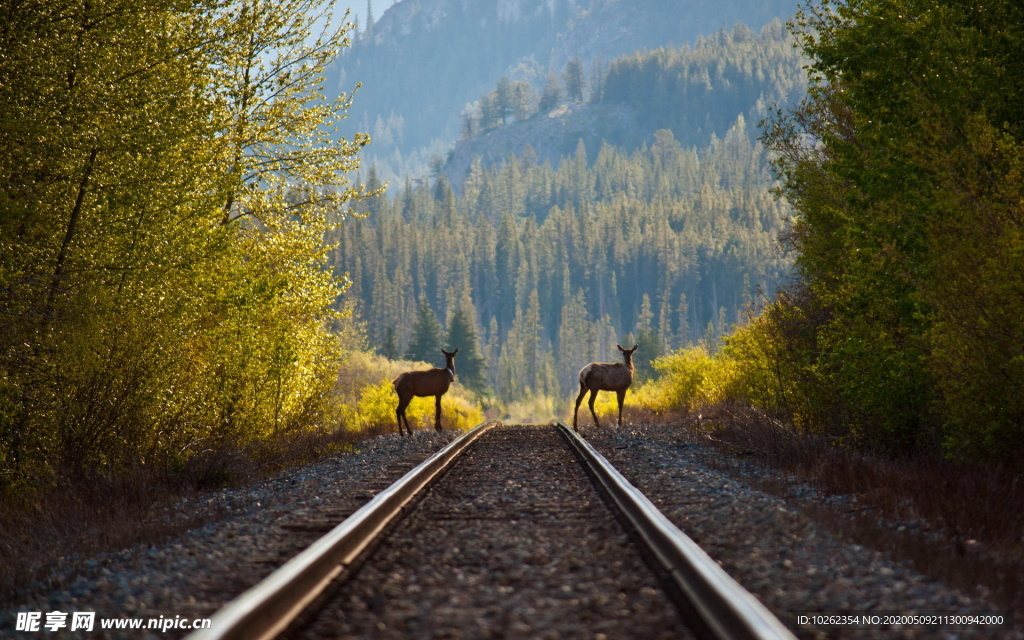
962	524
52	533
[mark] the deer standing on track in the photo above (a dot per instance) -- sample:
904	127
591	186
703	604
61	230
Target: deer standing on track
432	382
605	376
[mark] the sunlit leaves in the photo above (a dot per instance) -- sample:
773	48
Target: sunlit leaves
903	165
170	175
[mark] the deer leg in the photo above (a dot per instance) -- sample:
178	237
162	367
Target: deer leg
579	399
400	415
437	413
593	396
621	396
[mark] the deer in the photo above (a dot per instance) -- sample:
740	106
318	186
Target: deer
605	376
432	382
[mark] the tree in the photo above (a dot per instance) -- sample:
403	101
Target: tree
462	335
426	334
575	79
368	30
899	166
522	100
166	189
648	341
504	100
389	348
551	95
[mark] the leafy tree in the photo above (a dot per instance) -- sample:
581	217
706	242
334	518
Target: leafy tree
899	164
167	187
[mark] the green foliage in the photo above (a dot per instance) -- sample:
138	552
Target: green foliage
689	379
904	167
166	190
366	399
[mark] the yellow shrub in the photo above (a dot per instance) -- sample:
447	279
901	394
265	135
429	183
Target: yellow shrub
367	399
689	379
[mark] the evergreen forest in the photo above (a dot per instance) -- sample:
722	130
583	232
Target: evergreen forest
666	246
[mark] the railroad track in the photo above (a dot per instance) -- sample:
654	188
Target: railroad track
506	532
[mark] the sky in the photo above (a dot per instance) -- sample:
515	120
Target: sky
358	8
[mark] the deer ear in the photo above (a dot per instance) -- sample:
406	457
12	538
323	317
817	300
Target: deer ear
634	348
456	352
620	348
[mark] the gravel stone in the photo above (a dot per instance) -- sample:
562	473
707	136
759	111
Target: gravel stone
772	549
250	532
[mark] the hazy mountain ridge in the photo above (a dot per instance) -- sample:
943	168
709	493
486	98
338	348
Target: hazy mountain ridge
424	61
697	92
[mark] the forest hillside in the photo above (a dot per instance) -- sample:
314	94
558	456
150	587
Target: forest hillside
555	261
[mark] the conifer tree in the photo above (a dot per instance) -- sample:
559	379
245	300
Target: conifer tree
647	340
551	94
462	335
425	344
575	79
389	348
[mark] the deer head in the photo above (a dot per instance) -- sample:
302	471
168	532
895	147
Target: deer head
449	360
628	354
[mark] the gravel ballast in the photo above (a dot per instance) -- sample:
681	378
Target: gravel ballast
766	543
791	564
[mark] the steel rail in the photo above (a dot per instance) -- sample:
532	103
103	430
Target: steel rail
729	610
266	609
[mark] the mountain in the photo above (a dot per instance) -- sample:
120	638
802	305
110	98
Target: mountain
696	92
424	61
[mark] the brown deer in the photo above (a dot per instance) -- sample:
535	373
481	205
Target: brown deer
432	382
605	376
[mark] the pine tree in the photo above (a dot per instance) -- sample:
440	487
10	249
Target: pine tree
647	340
551	95
425	344
389	348
575	80
368	30
462	335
